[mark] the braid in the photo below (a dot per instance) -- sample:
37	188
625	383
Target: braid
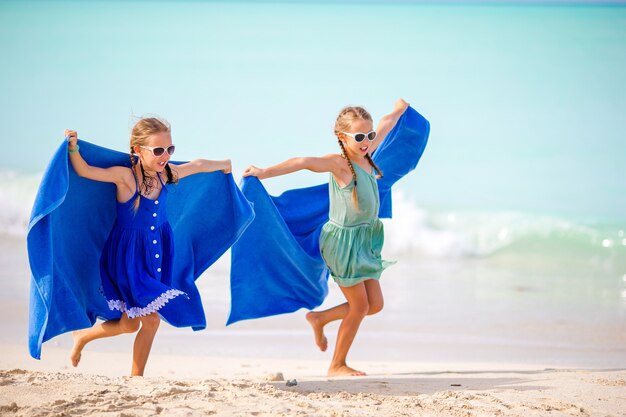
344	154
372	163
132	166
171	178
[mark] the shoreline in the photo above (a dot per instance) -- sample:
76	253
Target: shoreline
162	364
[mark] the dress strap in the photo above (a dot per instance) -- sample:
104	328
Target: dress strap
160	180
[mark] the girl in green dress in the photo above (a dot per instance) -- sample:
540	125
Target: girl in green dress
351	241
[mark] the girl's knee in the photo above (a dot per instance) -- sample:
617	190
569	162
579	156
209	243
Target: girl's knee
129	325
359	309
151	322
375	306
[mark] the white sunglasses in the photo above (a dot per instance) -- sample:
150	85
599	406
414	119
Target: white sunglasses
160	150
360	137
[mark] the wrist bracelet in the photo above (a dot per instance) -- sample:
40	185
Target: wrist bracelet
74	150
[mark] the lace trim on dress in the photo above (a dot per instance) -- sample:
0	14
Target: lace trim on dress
153	307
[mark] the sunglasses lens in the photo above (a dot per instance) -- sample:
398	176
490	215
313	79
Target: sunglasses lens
371	136
158	151
359	137
171	149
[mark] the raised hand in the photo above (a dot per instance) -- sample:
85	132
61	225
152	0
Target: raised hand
72	138
400	105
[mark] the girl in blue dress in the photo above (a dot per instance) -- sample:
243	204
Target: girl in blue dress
136	262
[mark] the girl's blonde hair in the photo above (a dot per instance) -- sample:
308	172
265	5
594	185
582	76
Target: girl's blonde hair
139	136
344	121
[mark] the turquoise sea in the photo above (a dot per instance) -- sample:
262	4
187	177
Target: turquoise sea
520	197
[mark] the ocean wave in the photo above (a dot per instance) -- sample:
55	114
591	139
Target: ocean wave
17	194
463	233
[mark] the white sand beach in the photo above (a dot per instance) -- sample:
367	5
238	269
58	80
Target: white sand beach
196	386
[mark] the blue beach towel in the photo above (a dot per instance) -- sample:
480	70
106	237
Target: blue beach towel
276	266
71	219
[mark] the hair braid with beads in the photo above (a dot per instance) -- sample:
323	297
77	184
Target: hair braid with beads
373	164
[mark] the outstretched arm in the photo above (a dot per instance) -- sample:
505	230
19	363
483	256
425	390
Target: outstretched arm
117	174
328	163
201	165
388	122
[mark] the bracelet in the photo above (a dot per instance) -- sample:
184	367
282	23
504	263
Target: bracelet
74	150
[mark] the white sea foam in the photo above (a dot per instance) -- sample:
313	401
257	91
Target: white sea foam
445	233
17	194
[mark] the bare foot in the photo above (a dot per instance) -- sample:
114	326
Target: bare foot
344	370
79	344
318	330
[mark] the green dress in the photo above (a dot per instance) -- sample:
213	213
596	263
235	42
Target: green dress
352	240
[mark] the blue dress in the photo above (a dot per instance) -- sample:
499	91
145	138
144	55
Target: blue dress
136	261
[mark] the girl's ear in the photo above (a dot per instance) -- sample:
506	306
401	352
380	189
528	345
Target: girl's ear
136	150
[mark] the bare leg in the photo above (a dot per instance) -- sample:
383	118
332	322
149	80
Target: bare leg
319	319
107	329
358	306
143	343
